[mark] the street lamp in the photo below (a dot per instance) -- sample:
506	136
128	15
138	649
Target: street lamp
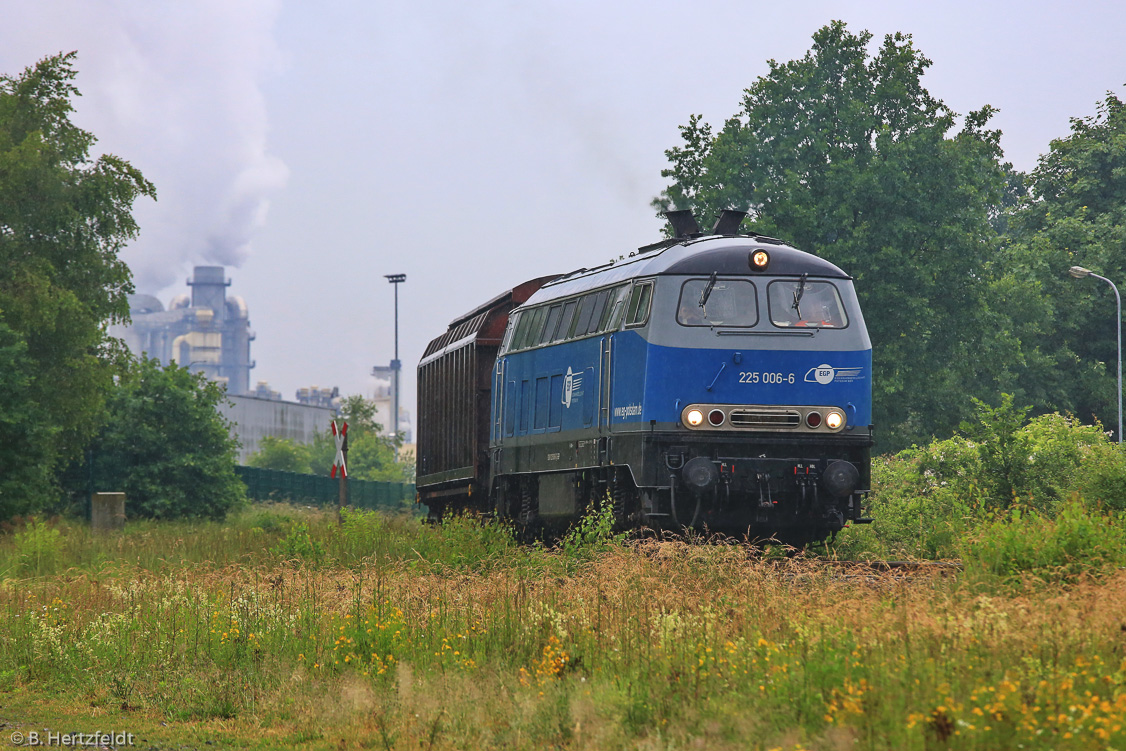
396	366
1079	272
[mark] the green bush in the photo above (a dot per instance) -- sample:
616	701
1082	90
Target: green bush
299	545
281	454
371	455
467	543
166	446
1023	543
925	500
918	512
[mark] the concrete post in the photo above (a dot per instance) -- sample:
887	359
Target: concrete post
107	512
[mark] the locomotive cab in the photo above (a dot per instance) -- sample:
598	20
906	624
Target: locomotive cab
768	370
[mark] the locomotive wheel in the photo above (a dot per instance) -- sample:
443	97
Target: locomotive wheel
527	516
625	497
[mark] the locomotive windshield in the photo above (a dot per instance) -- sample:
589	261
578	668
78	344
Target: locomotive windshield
805	303
722	302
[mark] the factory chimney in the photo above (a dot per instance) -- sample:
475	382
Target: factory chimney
209	290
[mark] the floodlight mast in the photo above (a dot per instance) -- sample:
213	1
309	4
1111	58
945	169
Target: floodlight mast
396	366
1080	273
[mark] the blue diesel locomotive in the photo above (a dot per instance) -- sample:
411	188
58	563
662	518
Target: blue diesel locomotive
716	381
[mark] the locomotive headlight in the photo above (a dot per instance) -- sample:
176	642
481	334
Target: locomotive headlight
695	417
834	420
760	259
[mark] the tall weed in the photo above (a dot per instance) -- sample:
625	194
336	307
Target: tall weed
593	533
1024	543
38	548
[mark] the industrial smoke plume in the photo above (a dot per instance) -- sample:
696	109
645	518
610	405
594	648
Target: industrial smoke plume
174	88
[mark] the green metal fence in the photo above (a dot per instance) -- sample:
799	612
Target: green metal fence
276	485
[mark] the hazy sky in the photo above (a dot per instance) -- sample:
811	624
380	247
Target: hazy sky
314	147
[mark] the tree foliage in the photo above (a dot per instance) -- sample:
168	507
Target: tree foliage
371	455
166	445
282	454
848	156
1073	213
63	218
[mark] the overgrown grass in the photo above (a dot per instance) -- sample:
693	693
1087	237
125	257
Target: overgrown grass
286	628
957	497
1024	545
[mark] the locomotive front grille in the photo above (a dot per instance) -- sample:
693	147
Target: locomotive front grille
776	419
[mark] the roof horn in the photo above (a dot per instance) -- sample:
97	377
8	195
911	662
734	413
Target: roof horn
728	222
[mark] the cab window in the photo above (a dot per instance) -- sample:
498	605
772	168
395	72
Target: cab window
509	331
718	302
802	303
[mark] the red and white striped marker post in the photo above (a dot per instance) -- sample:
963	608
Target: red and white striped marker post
341	463
341	460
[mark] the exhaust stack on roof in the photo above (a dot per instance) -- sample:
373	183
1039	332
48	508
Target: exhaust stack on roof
728	222
683	223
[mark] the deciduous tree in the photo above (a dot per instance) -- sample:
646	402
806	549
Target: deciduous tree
64	216
1073	215
848	156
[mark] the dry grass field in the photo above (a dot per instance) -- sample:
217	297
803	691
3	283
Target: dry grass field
283	628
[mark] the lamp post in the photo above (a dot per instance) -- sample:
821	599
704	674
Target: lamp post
1079	272
396	366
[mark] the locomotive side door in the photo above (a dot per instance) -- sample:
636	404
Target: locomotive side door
605	383
498	400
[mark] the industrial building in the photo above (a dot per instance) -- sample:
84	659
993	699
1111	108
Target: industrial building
207	333
383	394
253	418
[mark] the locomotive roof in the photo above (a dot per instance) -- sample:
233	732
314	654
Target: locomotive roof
728	255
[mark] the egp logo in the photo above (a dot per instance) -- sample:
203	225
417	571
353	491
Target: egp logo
822	374
826	374
572	386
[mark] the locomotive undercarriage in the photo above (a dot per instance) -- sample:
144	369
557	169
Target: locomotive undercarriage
807	491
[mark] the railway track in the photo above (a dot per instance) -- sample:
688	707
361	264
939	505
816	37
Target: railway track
883	566
873	573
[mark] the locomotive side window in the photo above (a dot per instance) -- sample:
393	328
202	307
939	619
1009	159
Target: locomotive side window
565	322
598	305
806	304
717	302
525	405
615	309
524	329
510	408
592	313
554	313
543	397
535	328
582	316
637	314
